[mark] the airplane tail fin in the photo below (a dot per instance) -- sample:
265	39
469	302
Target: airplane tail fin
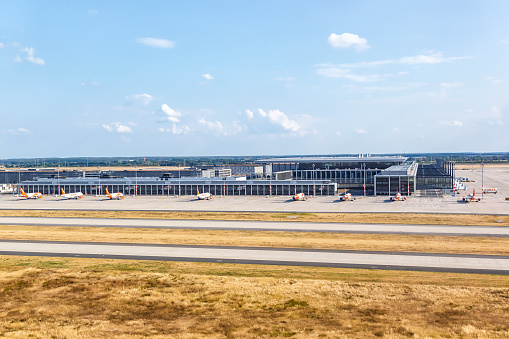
62	190
107	192
22	192
197	191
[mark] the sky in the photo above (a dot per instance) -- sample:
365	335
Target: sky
211	78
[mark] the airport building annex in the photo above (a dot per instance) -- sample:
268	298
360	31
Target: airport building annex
314	176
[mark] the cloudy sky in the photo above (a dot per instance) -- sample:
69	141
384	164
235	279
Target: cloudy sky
173	78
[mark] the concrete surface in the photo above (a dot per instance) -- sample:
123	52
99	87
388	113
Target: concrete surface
483	231
267	256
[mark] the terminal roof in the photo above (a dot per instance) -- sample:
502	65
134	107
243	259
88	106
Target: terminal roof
399	170
319	160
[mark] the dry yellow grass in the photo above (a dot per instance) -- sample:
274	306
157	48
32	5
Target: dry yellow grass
374	218
90	298
367	242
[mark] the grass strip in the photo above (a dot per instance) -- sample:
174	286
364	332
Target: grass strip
92	298
370	218
309	240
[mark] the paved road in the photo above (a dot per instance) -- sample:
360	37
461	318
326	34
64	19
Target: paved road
483	231
267	256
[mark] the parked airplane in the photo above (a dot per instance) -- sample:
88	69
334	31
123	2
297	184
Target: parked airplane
300	196
346	197
471	197
36	195
203	196
77	195
398	197
117	195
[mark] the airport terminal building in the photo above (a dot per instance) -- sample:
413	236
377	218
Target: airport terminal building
361	175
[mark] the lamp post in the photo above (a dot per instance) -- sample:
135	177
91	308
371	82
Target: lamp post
482	180
364	186
136	180
270	181
179	180
58	178
313	177
98	187
19	177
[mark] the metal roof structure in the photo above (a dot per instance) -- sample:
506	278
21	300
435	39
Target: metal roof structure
399	170
317	160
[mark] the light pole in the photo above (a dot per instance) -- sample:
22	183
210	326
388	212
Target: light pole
58	178
364	186
98	187
136	180
19	178
313	177
179	180
482	179
270	181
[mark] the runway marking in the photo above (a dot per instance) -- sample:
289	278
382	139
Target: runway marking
340	204
395	205
291	202
477	207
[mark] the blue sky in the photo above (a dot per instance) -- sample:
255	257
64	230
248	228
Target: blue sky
176	78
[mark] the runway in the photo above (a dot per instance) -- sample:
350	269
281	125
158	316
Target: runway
266	256
441	230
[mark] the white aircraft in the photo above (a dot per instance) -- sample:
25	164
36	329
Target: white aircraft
471	197
347	197
117	195
36	195
77	195
398	197
203	196
300	196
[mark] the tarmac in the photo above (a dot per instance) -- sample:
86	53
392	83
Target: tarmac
287	226
432	262
491	204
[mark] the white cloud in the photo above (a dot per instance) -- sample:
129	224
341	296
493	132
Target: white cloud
19	131
153	42
338	133
144	98
170	114
30	56
207	76
454	123
451	84
395	129
2	45
429	58
216	126
249	114
118	127
360	131
124	129
493	80
261	112
347	40
183	129
497	122
335	72
279	118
